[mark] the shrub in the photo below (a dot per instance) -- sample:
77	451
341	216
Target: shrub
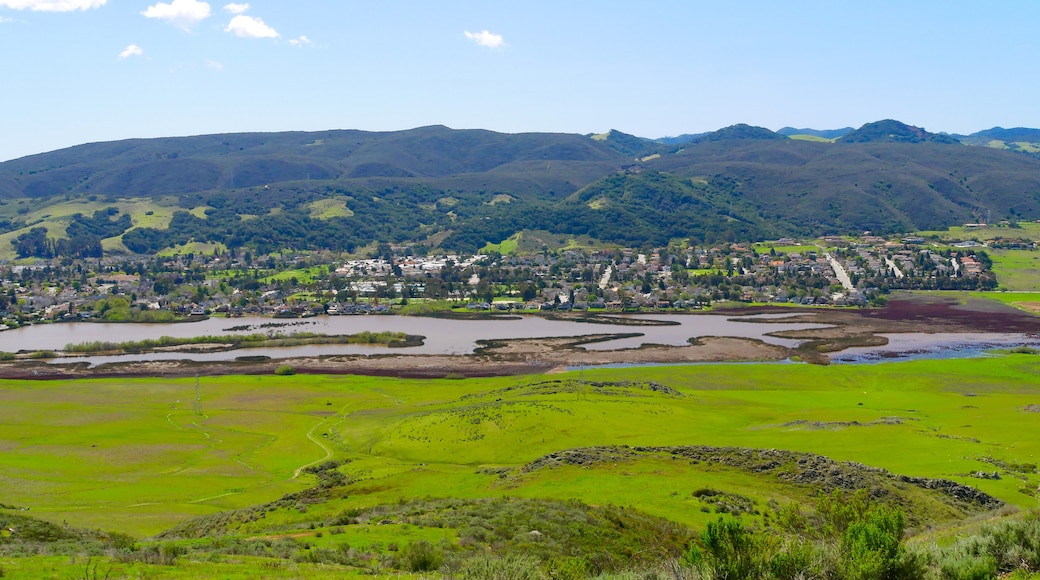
1015	544
285	370
968	567
798	559
872	548
421	556
728	550
573	568
514	566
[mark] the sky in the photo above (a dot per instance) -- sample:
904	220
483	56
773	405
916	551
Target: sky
80	71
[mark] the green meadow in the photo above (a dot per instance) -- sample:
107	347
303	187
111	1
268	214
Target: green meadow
814	138
1028	230
1017	270
529	241
105	452
54	214
765	247
140	456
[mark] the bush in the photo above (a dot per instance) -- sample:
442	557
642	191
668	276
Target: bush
1015	544
421	556
513	566
728	550
872	548
285	370
968	567
573	568
798	559
160	555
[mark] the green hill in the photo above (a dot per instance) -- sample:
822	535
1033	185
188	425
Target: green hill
444	187
829	134
891	131
739	131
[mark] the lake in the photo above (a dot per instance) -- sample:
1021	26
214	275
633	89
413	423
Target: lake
459	336
443	335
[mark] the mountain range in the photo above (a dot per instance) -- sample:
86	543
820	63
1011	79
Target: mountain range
461	189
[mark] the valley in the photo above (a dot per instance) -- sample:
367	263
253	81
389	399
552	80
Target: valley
468	354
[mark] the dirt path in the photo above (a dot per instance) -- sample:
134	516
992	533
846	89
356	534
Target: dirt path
317	441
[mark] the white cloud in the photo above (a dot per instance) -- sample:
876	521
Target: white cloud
5	20
249	27
52	5
132	50
485	38
236	8
214	65
301	41
181	13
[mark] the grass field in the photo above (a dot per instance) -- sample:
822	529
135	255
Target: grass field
197	248
1028	230
814	138
132	455
136	456
55	214
1017	270
505	247
324	209
530	241
302	275
764	247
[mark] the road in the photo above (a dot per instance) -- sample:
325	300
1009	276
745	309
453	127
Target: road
895	268
840	272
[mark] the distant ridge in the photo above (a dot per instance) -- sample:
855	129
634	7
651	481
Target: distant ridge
462	189
628	144
822	133
679	139
739	131
892	131
1015	134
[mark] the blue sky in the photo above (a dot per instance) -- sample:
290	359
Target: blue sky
77	71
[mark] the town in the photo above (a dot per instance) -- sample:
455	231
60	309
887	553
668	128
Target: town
831	271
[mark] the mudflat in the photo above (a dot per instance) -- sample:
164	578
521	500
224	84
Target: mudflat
840	329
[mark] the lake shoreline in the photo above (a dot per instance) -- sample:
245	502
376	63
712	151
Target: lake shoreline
827	332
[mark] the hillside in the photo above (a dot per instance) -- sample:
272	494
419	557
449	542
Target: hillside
810	188
891	131
598	473
823	134
1017	139
1015	134
460	189
148	167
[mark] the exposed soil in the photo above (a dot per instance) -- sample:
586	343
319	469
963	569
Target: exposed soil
848	327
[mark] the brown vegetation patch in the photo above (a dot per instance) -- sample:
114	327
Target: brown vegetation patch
975	314
843	424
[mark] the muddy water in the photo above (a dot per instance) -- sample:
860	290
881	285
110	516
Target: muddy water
457	337
941	345
443	336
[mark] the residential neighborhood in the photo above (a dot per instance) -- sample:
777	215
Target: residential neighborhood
828	271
